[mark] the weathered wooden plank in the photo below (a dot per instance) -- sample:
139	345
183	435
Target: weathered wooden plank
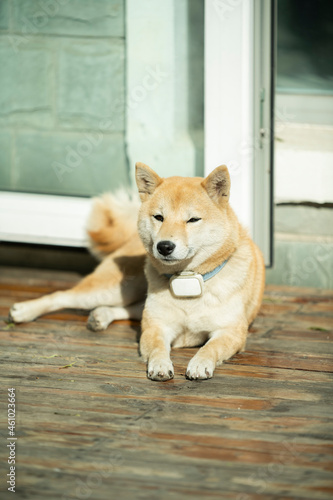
302	335
144	469
318	307
25	275
41	288
291	361
295	347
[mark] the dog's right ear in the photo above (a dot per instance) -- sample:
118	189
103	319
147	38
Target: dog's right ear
146	179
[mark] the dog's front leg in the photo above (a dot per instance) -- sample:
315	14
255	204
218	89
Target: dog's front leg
223	344
155	348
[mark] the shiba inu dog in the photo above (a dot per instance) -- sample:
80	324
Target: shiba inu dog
200	272
187	225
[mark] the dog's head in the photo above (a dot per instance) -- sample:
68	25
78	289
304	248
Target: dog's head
183	221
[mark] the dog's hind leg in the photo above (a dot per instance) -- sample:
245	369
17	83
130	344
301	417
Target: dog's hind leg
106	286
29	310
101	317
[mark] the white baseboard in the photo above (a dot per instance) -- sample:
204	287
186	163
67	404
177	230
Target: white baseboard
43	219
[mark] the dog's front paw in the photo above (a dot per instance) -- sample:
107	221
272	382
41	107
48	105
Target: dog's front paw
21	312
160	369
200	368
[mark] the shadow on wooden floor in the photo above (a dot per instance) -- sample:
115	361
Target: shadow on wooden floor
89	424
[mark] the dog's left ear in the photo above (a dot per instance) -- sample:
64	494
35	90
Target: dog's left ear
146	179
217	185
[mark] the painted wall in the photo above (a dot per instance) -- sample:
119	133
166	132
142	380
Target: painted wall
62	110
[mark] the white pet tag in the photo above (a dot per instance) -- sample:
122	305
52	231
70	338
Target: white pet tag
186	284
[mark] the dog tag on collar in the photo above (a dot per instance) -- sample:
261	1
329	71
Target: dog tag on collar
186	284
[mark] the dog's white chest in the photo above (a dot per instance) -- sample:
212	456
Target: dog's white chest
198	313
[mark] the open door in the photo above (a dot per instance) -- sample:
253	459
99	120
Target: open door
239	92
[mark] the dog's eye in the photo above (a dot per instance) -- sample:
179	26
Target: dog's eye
194	219
159	217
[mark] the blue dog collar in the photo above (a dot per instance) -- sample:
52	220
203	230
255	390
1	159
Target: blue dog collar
206	276
212	273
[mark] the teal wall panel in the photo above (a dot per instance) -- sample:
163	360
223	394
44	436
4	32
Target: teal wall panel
72	164
102	18
4	15
26	84
62	96
299	263
6	171
90	83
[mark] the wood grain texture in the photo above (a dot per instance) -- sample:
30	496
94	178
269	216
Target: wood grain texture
91	425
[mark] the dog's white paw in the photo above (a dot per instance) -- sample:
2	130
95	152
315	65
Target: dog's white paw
100	318
160	369
200	368
21	312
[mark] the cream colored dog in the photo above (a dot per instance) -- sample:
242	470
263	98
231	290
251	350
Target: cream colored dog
205	275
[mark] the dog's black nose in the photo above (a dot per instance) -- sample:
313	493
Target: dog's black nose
165	247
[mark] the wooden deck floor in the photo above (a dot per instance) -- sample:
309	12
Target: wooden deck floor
90	425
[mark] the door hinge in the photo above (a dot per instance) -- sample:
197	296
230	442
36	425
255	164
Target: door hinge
262	131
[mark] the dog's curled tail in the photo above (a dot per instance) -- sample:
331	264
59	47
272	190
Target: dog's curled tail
112	221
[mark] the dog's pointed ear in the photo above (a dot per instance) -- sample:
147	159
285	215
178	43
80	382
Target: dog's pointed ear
146	179
217	184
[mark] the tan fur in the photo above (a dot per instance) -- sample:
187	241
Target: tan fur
112	222
219	319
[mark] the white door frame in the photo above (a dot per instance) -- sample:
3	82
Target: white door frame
238	121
